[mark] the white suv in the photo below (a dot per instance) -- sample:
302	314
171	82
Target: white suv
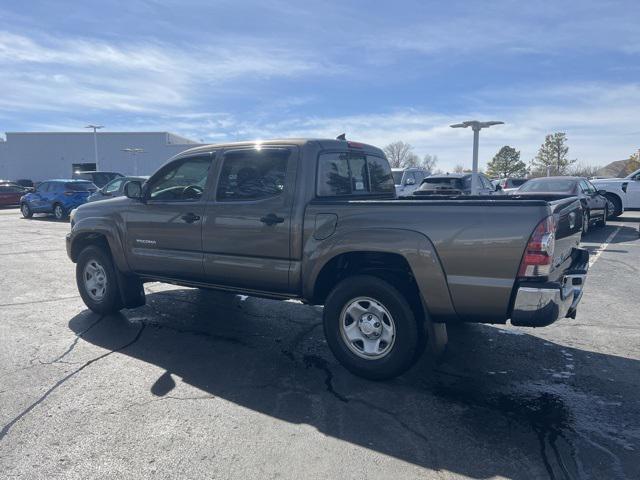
622	193
408	179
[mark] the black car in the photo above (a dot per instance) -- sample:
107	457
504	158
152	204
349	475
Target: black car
115	188
455	184
595	210
99	179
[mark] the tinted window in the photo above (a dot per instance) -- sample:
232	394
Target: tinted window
353	174
431	183
80	187
253	174
397	177
183	179
516	182
43	187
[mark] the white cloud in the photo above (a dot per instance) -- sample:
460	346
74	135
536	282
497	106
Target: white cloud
59	74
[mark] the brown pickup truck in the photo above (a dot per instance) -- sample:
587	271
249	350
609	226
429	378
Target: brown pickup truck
318	220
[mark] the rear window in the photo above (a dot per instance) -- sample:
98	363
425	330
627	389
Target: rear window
516	182
548	186
442	182
353	174
80	187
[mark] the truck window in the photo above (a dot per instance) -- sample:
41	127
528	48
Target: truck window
183	179
253	174
353	174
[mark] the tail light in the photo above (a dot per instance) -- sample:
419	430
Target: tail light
538	256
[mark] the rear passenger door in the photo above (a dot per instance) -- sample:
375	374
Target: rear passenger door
246	235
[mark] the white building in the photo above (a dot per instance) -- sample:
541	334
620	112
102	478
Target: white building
42	155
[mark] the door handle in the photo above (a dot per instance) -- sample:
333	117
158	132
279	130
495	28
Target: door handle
190	217
272	219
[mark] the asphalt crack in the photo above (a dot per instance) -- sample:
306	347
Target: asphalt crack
7	427
73	344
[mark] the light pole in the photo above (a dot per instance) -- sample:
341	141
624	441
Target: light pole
95	141
134	151
476	126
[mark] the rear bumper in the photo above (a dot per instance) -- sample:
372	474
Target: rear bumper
537	305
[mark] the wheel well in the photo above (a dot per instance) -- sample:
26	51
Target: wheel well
391	267
86	240
614	196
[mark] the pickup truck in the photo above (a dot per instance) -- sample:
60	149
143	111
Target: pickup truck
318	220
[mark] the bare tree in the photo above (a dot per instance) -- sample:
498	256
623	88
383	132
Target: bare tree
399	154
582	170
458	168
429	162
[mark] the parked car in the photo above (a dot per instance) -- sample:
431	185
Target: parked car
595	208
318	220
455	184
99	179
25	182
509	185
621	193
11	194
57	197
115	188
406	180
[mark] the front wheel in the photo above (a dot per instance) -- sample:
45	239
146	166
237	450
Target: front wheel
614	205
97	281
25	209
371	328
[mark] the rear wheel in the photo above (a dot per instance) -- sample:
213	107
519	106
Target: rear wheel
97	281
371	328
59	212
25	209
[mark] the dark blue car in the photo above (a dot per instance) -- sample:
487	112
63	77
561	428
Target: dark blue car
58	197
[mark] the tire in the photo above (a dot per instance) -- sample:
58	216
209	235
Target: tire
603	222
26	211
615	205
59	212
386	322
97	281
586	219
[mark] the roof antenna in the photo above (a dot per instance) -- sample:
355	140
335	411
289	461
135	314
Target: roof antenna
342	136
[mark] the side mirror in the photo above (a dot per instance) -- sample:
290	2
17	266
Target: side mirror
133	190
602	192
410	181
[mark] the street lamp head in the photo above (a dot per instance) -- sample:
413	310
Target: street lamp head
475	124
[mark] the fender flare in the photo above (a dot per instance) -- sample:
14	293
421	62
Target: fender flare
416	248
103	227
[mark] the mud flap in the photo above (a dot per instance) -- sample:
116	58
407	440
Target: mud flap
131	290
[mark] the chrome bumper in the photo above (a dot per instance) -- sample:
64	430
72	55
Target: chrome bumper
540	306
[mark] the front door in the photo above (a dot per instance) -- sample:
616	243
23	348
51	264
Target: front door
633	192
164	232
247	227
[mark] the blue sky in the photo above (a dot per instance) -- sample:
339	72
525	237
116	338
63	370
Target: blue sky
379	71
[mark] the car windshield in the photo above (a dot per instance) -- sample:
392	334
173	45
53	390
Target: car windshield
397	177
546	185
80	187
102	178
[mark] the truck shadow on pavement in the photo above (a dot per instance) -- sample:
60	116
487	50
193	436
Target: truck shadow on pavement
501	403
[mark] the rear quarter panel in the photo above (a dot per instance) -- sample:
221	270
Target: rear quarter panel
479	246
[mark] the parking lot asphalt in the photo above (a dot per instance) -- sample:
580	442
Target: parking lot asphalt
209	385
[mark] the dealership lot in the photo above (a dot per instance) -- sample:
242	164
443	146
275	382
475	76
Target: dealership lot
202	384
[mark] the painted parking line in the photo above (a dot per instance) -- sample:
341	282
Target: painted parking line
596	253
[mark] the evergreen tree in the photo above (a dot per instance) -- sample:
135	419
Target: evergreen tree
507	163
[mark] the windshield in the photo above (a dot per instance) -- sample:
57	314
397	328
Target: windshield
397	177
545	185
